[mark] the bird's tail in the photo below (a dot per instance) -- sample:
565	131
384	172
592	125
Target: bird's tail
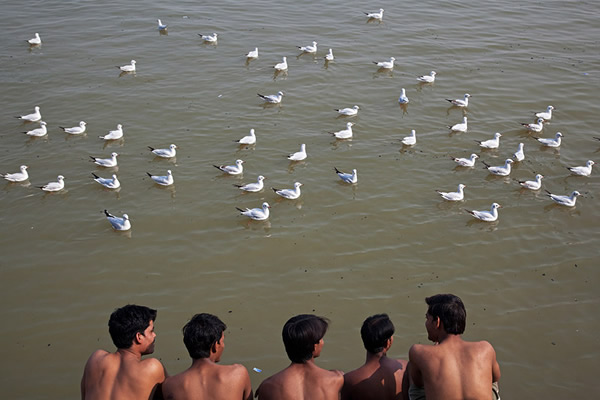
149	174
93	158
151	148
486	164
216	166
239	209
95	176
337	170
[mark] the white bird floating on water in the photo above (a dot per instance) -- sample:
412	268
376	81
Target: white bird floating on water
38	132
254	186
460	127
272	98
249	139
568	201
163	180
209	38
546	115
110	183
310	48
165	153
106	162
520	153
582	171
161	26
348	111
299	155
466	162
329	56
487	216
118	223
282	66
344	133
35	41
464	102
54	186
533	185
492	143
551	142
128	67
76	130
236	169
252	54
410	140
385	64
346	177
375	15
290	194
17	176
258	214
403	99
427	78
114	135
33	117
502	170
535	127
454	196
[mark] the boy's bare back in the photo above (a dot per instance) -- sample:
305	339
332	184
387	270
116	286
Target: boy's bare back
304	381
385	378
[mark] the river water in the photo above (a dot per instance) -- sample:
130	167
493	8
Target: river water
529	281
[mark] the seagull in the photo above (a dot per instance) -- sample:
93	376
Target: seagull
253	53
114	135
403	99
209	38
519	154
551	142
464	102
466	162
329	56
385	64
546	115
164	153
460	127
76	130
161	26
533	185
348	111
565	200
427	78
249	139
35	41
164	180
582	171
106	162
110	183
502	170
299	155
410	140
17	176
258	214
535	127
290	194
33	117
54	186
375	15
348	178
118	223
282	66
272	98
454	196
38	132
345	133
487	216
492	143
309	48
128	67
236	169
254	186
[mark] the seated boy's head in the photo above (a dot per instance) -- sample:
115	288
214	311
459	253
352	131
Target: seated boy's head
201	333
450	310
127	321
300	335
375	332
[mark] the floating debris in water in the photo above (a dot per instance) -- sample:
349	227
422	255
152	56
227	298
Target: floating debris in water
257	369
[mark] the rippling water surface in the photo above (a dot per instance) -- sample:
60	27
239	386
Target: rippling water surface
529	281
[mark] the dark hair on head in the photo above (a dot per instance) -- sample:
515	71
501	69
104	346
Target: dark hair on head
201	333
375	332
127	321
451	311
301	333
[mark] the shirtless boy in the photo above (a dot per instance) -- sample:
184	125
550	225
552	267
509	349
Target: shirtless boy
452	368
380	378
123	374
302	379
204	338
